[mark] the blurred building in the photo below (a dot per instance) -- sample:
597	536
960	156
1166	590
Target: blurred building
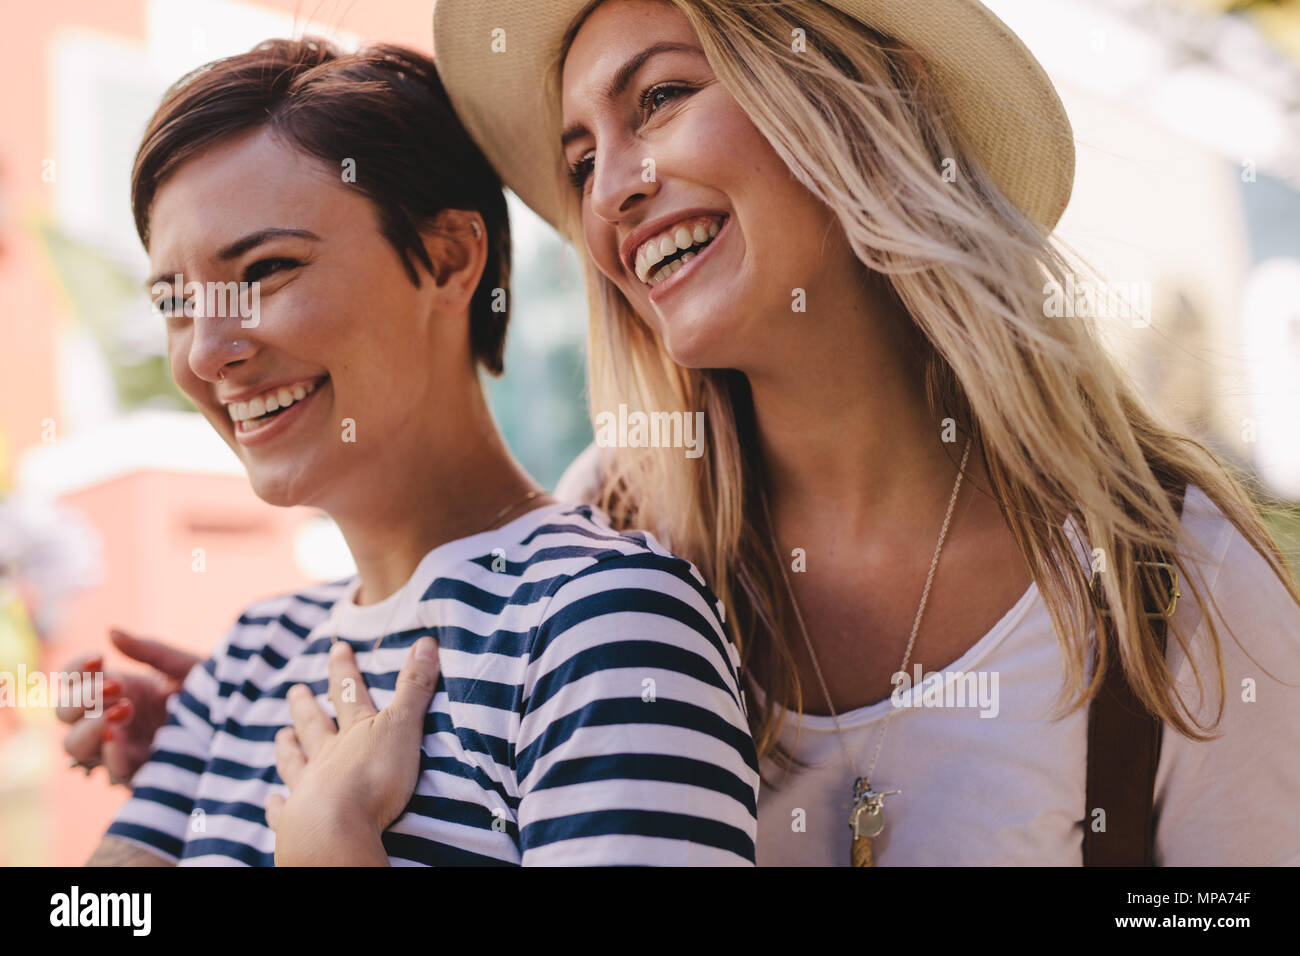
1187	135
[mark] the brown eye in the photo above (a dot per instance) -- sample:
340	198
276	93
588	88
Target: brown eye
580	170
170	306
265	267
661	95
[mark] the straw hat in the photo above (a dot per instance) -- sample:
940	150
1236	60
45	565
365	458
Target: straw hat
1003	101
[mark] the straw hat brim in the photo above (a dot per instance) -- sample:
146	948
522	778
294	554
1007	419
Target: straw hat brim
1006	107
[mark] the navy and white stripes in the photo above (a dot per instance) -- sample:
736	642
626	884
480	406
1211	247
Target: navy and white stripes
589	709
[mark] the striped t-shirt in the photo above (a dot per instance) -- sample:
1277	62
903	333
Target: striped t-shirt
588	709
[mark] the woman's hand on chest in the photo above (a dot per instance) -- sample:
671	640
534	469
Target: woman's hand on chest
349	782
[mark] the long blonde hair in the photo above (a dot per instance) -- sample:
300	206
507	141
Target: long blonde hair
1065	440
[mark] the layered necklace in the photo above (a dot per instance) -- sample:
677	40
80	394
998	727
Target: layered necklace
866	813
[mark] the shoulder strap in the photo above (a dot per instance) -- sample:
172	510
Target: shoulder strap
1124	748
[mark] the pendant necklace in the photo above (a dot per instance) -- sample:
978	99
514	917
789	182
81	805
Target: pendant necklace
866	813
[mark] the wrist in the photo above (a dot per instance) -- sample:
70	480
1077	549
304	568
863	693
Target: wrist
335	835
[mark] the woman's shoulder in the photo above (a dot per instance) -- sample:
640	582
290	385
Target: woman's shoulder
624	600
1242	687
581	480
605	571
612	555
321	596
1232	571
1255	637
294	611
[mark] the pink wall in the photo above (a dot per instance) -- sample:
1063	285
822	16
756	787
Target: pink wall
150	523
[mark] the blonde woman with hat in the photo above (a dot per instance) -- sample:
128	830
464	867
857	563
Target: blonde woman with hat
826	225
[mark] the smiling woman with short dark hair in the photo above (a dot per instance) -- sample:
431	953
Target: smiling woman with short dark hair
572	696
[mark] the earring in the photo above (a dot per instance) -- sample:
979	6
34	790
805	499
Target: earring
221	375
478	230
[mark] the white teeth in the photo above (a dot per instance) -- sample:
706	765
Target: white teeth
682	237
274	400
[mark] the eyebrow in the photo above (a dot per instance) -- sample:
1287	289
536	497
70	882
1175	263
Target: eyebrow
623	76
240	246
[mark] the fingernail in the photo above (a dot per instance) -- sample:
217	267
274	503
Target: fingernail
426	650
118	711
109	735
112	686
339	648
94	663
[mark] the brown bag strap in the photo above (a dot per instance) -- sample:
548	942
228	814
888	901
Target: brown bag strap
1124	743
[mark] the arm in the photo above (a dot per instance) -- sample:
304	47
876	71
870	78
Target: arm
327	833
114	852
1246	783
161	813
634	746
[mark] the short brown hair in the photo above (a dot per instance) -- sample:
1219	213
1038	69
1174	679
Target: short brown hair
384	107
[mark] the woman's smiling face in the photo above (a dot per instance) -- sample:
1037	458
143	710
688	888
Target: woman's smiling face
340	332
638	95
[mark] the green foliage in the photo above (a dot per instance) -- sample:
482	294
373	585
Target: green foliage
109	303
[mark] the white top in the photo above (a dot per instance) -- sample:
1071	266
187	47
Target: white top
1009	789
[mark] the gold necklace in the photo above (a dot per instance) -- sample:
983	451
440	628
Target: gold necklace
866	814
488	527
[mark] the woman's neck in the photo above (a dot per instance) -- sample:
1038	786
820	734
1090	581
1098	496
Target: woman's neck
843	422
447	480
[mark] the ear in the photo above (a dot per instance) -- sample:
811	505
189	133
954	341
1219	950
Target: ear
456	241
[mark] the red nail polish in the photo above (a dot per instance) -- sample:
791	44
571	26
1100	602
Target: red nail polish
112	686
118	712
109	735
